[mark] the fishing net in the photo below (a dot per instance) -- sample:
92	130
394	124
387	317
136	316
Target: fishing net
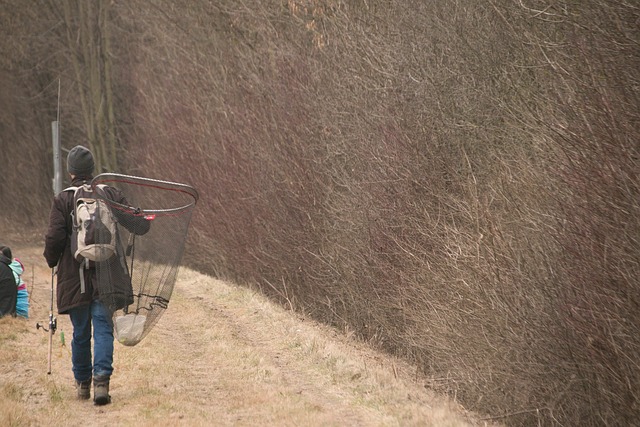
152	222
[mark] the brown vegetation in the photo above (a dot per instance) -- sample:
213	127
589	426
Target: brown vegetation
457	182
236	359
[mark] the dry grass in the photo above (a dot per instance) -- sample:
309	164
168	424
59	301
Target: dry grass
220	355
454	182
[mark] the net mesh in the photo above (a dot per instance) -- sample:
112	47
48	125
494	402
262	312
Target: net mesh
152	223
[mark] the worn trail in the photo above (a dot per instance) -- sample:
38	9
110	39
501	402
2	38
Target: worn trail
220	355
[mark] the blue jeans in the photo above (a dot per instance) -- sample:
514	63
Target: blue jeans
81	319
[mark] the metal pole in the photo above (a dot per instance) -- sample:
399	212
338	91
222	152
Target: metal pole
57	167
57	173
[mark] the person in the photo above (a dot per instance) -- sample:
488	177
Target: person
22	300
8	288
82	301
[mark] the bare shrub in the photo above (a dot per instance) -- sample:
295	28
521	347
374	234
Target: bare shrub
455	182
397	171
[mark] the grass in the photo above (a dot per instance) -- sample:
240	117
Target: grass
220	355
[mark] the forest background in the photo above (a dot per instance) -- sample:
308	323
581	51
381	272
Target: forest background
455	182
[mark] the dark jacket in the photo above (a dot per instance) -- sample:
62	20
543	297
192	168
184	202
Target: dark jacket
57	252
8	288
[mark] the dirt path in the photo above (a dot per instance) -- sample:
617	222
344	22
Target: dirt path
220	355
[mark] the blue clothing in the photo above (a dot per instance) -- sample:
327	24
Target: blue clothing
22	303
82	317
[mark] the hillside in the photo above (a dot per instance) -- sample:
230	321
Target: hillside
454	183
220	355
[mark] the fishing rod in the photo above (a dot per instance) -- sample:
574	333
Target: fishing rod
57	187
53	323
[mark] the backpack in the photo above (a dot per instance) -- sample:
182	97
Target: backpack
93	235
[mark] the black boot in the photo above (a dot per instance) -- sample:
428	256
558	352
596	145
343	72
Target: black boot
101	390
84	389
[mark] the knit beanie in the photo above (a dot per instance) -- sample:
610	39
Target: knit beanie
80	161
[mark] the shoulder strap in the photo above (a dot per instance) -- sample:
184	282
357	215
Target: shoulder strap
74	188
100	188
75	202
85	186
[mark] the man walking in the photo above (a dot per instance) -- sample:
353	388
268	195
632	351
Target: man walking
78	296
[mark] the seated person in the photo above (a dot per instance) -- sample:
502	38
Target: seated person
22	304
8	288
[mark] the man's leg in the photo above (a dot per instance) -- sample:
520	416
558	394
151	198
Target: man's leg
103	352
81	349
